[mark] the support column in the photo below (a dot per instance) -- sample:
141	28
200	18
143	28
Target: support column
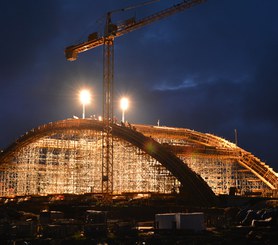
107	138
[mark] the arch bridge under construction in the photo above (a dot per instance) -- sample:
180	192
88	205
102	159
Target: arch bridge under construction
65	157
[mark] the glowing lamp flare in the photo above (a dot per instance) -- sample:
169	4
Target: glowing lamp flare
85	99
124	105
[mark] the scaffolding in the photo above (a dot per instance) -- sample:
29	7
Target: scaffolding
70	162
222	164
66	157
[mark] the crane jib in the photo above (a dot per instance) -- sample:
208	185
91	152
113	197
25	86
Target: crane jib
112	30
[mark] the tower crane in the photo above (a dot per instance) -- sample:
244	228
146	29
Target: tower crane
112	31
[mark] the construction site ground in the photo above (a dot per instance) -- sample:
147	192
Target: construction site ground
64	220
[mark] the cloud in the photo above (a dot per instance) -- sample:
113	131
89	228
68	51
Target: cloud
164	86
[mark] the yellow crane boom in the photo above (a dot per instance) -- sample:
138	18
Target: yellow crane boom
94	41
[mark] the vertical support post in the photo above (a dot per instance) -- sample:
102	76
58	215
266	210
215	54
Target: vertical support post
123	116
236	137
83	111
107	138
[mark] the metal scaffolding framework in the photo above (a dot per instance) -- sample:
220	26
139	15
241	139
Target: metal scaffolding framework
70	162
222	164
66	157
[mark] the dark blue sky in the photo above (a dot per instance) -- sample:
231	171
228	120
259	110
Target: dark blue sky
212	68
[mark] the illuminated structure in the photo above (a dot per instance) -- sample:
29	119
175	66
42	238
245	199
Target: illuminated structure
106	39
65	157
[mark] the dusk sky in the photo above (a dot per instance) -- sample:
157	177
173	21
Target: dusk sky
212	68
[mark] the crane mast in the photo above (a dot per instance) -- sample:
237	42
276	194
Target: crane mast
107	137
111	31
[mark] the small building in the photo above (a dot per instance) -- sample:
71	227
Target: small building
167	221
191	221
180	221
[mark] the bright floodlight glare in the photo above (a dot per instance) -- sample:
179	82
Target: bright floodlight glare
124	105
85	99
